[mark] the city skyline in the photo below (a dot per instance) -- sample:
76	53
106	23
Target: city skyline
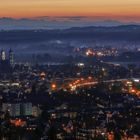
69	70
119	10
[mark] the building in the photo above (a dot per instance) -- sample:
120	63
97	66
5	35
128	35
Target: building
26	109
17	109
11	57
36	111
3	55
12	108
6	62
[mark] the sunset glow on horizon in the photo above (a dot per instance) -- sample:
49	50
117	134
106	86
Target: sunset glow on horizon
123	10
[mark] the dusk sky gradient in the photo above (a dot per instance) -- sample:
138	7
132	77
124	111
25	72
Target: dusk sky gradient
128	10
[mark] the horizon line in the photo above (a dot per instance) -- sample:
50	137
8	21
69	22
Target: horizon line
124	19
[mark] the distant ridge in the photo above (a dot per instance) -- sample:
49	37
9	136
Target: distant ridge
7	23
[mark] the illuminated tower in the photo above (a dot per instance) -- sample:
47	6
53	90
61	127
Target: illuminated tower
3	55
11	57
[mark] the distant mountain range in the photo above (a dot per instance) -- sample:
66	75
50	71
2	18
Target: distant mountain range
56	23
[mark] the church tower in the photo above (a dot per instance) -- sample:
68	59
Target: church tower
11	57
3	55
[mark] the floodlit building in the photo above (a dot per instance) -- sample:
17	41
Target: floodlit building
6	62
3	55
11	57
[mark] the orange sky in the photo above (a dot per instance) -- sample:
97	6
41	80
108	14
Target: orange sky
115	9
